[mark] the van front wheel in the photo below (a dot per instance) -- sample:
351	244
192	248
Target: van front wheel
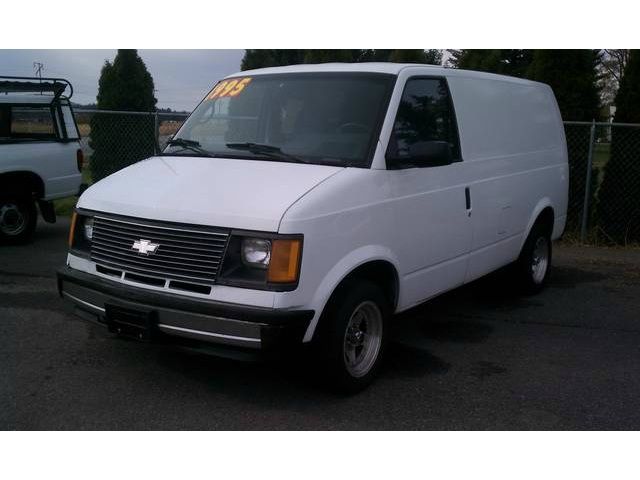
356	335
534	263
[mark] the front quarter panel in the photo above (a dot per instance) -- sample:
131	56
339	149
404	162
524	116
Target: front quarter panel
346	221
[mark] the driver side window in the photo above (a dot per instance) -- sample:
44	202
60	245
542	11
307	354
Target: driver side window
425	114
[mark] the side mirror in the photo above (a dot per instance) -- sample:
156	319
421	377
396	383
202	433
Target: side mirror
425	154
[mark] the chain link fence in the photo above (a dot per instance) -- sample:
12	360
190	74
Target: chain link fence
112	140
604	193
604	166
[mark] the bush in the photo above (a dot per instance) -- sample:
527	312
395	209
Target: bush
121	140
619	196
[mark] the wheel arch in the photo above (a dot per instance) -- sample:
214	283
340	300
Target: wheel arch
545	213
18	181
381	268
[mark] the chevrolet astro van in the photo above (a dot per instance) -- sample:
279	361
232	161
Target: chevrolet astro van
310	203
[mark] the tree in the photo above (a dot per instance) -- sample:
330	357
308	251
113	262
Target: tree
619	196
505	62
119	140
572	75
375	55
431	57
270	58
611	67
273	58
328	56
126	84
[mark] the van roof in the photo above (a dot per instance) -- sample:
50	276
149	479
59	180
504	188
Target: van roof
380	67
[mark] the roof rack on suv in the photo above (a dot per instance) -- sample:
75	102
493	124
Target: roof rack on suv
55	86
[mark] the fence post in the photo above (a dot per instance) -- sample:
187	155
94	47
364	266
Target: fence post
156	130
587	187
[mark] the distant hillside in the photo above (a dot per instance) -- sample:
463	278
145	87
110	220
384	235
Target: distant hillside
87	106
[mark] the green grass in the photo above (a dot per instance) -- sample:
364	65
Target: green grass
64	206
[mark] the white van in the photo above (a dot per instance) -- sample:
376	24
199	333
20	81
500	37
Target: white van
310	203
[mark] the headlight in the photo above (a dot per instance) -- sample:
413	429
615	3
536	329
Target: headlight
88	228
262	262
256	252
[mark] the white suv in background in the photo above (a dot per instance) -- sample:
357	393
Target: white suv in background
40	154
308	204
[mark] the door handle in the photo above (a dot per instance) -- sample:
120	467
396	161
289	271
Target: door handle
467	197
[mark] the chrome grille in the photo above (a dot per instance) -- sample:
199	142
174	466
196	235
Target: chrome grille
189	253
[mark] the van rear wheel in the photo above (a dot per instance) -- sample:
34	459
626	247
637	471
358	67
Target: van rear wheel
18	216
534	264
355	335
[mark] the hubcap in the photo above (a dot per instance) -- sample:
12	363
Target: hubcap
363	338
12	220
540	259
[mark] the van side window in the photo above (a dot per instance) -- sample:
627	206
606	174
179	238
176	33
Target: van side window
425	114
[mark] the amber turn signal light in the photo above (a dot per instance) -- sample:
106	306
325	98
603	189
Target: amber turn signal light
285	261
72	229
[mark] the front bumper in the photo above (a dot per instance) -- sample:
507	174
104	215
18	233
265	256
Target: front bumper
213	322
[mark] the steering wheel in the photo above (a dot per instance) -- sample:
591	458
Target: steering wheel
353	127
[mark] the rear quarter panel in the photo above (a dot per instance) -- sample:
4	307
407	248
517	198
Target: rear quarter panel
513	143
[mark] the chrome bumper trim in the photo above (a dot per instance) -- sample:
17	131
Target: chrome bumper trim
208	334
82	302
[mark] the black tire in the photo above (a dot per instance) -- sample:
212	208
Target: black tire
352	296
531	275
18	218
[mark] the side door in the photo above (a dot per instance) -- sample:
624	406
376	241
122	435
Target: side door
432	209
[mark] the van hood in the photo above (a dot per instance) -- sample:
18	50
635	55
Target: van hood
243	194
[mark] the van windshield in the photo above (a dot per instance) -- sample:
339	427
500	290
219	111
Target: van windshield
320	118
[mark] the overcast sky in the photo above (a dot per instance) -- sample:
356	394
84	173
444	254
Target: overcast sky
182	77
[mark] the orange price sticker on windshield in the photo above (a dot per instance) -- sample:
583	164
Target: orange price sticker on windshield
229	88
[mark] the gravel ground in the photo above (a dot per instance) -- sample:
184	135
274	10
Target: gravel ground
480	357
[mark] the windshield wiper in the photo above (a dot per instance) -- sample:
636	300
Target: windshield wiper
192	145
270	151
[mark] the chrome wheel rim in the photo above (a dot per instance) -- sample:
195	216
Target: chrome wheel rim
362	339
540	260
13	221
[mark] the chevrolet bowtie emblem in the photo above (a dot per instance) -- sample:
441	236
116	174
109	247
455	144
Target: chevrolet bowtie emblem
145	247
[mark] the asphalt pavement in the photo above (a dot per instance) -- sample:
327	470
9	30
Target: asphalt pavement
480	357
